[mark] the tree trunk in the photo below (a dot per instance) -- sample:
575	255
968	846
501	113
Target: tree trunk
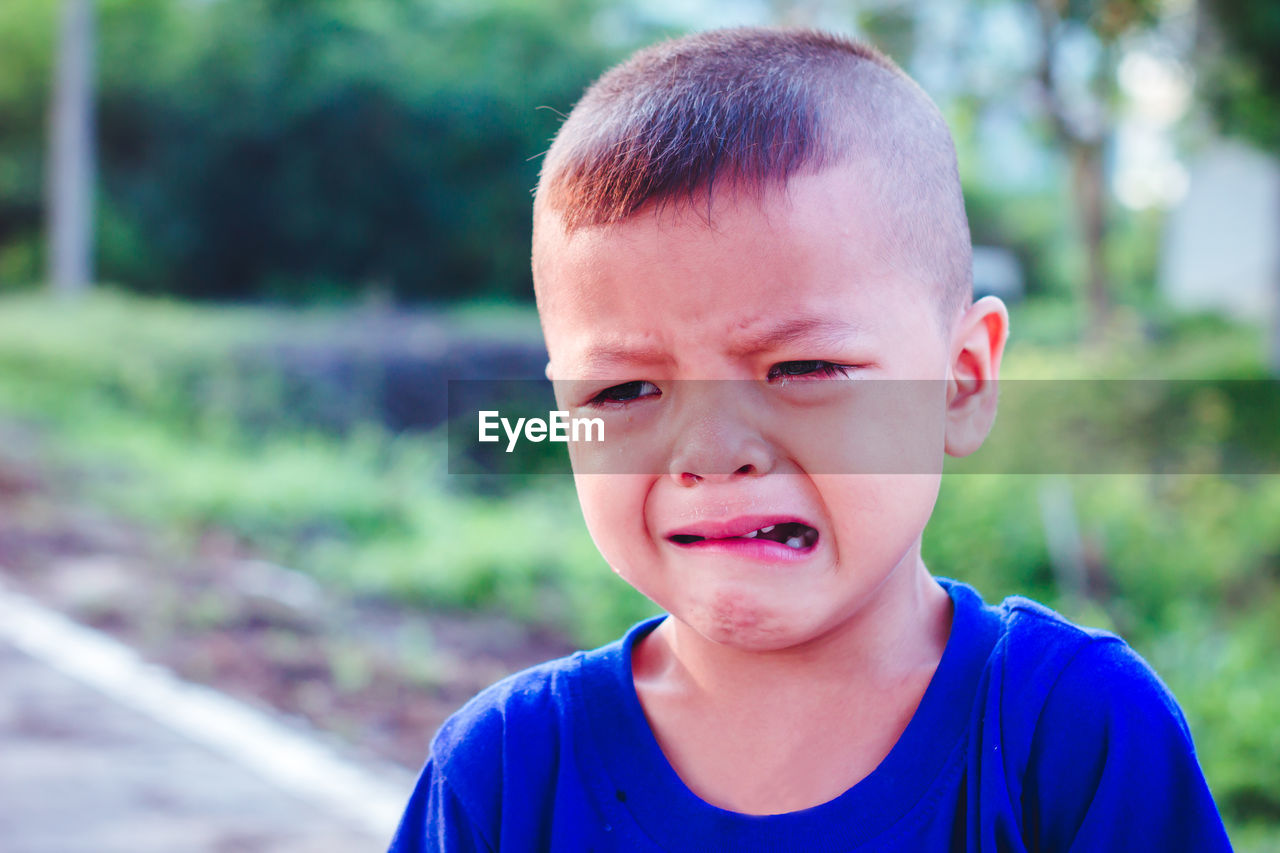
1083	147
1090	193
69	175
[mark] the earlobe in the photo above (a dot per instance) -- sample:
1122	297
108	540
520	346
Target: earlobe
978	340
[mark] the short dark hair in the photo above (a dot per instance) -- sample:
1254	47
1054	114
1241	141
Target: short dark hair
752	107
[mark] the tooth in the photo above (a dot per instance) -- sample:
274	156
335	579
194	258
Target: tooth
794	542
752	535
768	529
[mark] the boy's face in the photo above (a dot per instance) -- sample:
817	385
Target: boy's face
799	296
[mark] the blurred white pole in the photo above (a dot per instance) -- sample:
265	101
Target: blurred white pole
1062	537
69	169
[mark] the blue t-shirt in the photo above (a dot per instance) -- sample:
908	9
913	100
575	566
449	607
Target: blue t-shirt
1033	734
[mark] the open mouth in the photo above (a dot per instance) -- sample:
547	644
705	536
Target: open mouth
792	534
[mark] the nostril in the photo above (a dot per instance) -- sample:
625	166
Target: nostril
746	469
689	479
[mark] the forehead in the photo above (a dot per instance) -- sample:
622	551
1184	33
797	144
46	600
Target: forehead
812	260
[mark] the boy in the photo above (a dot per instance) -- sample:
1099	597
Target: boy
783	208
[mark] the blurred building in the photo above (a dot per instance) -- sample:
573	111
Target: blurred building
1221	250
997	272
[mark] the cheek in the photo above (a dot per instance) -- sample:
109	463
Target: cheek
613	508
878	516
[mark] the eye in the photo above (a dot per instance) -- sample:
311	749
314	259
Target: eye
791	369
624	393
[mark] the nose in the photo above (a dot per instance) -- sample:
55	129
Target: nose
718	443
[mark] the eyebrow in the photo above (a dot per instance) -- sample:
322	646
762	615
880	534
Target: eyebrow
820	331
603	358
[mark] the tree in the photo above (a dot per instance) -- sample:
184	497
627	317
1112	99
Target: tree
1078	99
70	161
302	151
1081	115
1243	89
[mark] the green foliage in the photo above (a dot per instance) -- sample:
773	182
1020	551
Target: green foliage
145	398
1034	227
26	38
1040	230
301	150
1243	79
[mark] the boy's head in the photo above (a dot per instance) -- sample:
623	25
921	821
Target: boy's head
781	207
742	111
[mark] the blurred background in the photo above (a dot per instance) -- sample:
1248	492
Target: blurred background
244	244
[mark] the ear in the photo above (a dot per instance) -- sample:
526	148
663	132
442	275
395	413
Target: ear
977	344
547	371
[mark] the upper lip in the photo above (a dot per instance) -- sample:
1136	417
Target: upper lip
734	527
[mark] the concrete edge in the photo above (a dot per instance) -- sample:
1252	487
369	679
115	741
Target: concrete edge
289	759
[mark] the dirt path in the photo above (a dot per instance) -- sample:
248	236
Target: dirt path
379	677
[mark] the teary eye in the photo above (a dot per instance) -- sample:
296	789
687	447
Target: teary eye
625	393
789	369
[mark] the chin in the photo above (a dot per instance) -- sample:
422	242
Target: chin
746	622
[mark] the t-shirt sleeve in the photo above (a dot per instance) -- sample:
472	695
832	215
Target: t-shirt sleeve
1112	765
436	819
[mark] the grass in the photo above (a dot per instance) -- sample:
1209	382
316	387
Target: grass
136	397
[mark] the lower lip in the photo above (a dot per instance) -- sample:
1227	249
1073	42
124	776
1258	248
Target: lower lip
759	549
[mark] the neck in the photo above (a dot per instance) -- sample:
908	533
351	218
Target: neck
777	731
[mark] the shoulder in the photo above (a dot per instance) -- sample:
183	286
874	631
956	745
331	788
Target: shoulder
1105	754
525	709
520	728
456	803
492	769
1074	684
1033	631
531	697
1089	672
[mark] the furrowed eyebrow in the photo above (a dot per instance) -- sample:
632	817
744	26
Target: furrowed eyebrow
608	357
819	331
815	331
